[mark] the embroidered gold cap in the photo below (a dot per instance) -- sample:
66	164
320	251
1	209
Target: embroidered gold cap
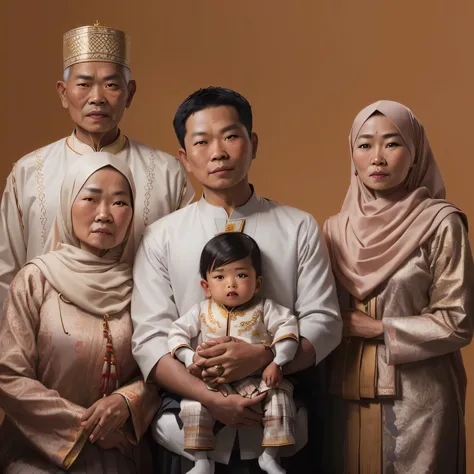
96	43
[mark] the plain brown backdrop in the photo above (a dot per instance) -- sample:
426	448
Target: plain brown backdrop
307	67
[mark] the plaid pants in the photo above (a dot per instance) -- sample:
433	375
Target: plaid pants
279	414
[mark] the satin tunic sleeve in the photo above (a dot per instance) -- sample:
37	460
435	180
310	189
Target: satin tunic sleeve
445	325
12	243
150	335
143	402
316	305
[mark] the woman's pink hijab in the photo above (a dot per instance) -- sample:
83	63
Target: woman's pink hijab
371	237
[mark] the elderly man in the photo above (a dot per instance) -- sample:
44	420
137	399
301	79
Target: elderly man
96	89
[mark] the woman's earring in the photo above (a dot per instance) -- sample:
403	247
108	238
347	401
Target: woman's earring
356	172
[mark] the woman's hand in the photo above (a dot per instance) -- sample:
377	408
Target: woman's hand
107	414
235	410
358	324
227	362
117	440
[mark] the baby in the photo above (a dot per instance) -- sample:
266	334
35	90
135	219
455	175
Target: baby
231	274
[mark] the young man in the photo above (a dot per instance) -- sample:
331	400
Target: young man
96	89
214	128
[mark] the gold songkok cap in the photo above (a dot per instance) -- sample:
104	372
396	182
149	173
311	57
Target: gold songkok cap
96	43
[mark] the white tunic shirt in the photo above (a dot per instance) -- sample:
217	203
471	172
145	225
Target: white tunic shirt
30	200
295	266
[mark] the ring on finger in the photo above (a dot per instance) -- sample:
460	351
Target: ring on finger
220	369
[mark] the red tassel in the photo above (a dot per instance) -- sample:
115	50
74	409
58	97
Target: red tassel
109	379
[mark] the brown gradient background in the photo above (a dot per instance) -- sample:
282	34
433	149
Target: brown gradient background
307	67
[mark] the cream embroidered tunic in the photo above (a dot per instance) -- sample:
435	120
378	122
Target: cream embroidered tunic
261	321
31	196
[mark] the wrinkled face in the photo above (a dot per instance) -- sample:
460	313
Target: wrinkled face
233	284
96	95
381	156
218	151
102	211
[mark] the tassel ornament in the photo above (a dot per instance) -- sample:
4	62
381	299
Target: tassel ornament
109	379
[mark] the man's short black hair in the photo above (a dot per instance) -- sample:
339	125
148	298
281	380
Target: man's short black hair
208	98
229	247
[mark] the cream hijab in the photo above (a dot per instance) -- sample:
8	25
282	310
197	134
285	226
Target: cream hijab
99	285
371	237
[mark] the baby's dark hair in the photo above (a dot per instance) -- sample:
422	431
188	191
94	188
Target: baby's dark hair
229	247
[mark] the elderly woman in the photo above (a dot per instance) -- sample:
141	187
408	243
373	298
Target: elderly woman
401	255
69	386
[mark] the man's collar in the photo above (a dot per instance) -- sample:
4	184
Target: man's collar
240	212
82	148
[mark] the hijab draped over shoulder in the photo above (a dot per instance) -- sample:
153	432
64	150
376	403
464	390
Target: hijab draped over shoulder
372	236
95	284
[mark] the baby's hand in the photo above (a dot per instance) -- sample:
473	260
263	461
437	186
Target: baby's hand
193	369
272	375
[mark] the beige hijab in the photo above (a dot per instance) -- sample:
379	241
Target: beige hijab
99	285
371	237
